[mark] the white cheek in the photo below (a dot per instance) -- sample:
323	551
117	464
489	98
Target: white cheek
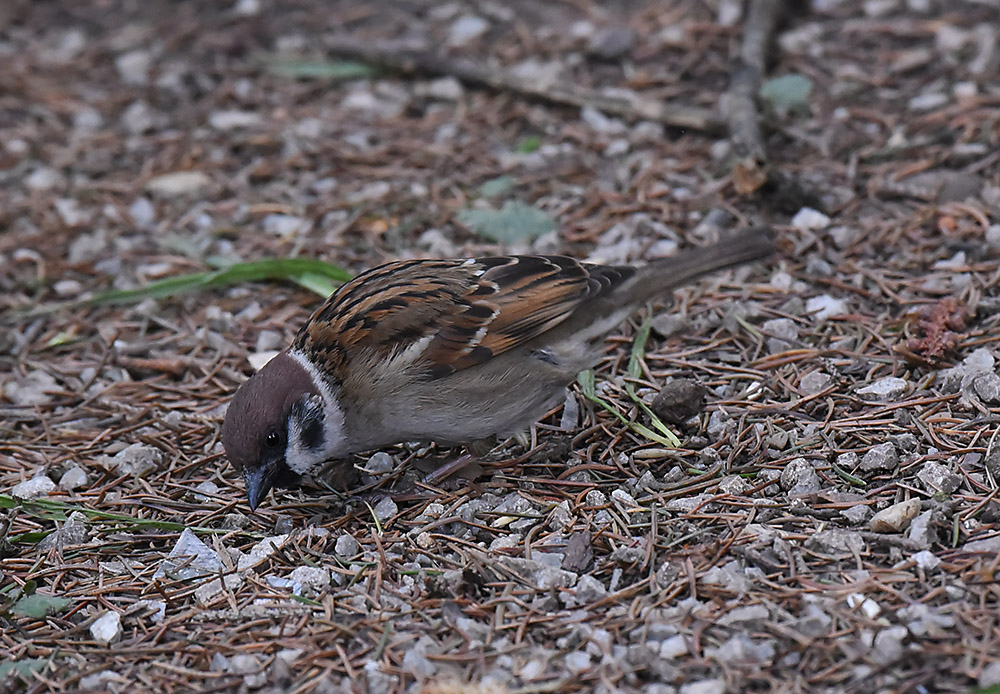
306	460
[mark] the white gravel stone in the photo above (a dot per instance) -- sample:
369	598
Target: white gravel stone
259	553
824	306
888	646
937	478
32	389
70	212
624	498
733	484
33	488
137	459
880	457
138	117
836	541
346	546
466	29
744	615
781	332
867	606
577	662
674	647
67	289
99	681
107	628
990	676
928	102
133	67
190	558
206	490
814	382
857	514
799	477
844	237
926	560
808	219
895	518
208	591
249	666
704	687
286	225
380	463
233	120
888	388
74	478
178	184
142	212
922	529
43	178
385	509
987	387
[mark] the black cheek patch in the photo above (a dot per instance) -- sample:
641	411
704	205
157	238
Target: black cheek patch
312	433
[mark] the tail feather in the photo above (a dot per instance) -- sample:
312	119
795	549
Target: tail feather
665	274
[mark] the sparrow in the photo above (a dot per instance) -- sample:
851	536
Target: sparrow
449	351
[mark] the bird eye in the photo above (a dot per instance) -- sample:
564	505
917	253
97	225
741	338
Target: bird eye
273	439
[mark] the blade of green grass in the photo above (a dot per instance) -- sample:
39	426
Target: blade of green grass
586	381
635	371
304	271
52	510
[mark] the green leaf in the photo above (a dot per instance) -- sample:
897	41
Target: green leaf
316	283
529	144
515	221
333	70
787	93
496	186
38	606
21	668
293	269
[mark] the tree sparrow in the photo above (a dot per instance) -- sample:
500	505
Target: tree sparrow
451	351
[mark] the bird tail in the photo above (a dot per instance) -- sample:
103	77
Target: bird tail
665	274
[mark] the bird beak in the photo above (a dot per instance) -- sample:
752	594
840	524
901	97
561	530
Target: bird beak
258	483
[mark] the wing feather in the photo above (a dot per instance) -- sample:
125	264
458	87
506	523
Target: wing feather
449	315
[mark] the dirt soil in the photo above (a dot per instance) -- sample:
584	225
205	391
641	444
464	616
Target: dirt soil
829	522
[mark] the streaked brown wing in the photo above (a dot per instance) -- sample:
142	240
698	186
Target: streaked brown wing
453	314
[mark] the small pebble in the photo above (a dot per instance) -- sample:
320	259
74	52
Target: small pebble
74	478
346	546
808	219
233	120
107	628
926	560
887	389
880	457
814	382
380	463
679	400
868	607
178	183
824	306
466	29
33	488
896	518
